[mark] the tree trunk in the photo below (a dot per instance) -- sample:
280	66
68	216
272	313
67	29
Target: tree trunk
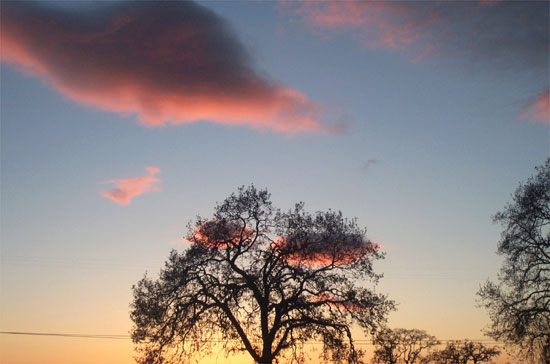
266	359
267	356
546	353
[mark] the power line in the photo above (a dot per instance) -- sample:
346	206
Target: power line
118	264
126	337
85	336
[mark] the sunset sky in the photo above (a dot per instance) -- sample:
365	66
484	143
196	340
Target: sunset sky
121	121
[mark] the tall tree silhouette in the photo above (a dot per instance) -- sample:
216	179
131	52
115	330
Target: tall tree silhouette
519	304
262	281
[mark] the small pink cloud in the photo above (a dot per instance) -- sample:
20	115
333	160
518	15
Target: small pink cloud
324	253
220	234
128	188
337	302
539	109
381	246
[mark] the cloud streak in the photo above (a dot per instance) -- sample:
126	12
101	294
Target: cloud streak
509	36
513	34
378	24
324	252
172	62
539	109
126	189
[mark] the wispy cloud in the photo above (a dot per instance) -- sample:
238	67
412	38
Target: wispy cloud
128	188
170	62
539	109
508	36
377	24
507	33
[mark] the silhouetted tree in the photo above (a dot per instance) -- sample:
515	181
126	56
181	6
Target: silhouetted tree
519	304
478	352
262	281
464	352
402	346
451	354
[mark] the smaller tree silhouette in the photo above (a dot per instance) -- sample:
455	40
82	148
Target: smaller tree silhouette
261	281
478	352
519	304
464	352
402	346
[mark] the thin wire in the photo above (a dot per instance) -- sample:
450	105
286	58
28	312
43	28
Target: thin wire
117	264
126	337
84	336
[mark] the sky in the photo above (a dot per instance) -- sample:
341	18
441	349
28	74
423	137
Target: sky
121	121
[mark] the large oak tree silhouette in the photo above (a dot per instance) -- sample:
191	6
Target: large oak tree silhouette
259	280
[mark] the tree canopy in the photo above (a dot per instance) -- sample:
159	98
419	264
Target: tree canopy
519	303
262	281
464	352
402	346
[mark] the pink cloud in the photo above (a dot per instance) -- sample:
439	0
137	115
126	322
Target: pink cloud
488	2
172	62
379	24
325	253
509	36
128	188
539	109
460	28
337	302
220	234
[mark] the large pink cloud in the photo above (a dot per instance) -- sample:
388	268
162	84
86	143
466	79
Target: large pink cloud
128	188
171	62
